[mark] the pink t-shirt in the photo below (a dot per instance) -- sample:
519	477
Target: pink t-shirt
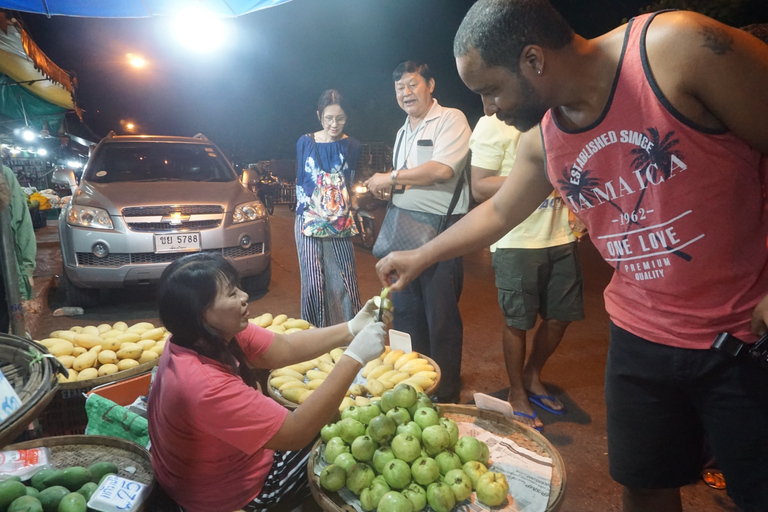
208	428
675	208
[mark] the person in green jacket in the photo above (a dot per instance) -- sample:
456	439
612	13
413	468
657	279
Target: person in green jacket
25	243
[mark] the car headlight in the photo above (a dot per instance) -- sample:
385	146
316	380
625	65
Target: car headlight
89	217
361	189
247	212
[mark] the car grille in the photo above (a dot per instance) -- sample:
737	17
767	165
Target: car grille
167	226
192	209
87	259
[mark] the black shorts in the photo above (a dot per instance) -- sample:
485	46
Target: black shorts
664	401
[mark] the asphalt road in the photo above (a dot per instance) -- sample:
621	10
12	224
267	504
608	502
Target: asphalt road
575	372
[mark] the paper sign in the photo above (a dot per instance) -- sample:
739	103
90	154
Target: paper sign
9	400
487	402
116	494
399	340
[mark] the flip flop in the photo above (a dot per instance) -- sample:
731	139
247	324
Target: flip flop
713	478
530	417
539	400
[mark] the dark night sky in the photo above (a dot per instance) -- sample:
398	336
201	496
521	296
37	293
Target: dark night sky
255	98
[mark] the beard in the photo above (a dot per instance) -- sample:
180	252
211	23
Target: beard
531	110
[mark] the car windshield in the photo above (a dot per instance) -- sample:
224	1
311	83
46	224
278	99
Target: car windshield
158	161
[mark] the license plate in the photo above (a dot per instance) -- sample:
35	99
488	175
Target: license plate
177	242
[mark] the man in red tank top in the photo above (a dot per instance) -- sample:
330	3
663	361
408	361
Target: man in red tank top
653	135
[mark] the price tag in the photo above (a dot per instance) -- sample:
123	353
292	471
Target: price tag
9	400
483	401
399	340
117	494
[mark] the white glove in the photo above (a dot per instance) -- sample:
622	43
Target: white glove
367	345
363	318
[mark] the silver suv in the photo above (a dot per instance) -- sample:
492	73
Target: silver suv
144	201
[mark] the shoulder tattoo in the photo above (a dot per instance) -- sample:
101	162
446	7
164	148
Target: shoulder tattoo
716	39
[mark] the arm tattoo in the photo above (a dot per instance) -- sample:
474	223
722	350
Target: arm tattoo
716	39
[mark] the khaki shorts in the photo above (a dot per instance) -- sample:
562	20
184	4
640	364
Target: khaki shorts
533	282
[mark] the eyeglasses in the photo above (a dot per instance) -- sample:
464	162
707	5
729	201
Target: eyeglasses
331	119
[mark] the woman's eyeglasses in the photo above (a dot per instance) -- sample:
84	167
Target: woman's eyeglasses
337	119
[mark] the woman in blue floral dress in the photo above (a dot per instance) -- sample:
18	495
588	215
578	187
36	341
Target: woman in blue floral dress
326	161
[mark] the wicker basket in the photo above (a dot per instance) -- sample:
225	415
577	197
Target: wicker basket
275	394
85	450
66	413
33	378
494	422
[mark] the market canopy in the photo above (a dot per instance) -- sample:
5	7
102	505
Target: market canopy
136	8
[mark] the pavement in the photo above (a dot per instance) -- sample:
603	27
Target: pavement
575	372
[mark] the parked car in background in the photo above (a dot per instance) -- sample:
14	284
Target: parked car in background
144	201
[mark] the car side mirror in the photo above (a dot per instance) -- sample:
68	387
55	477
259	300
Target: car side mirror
65	176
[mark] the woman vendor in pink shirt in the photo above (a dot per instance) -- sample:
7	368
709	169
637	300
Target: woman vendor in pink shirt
218	444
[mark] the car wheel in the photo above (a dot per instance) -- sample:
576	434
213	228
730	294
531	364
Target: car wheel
258	285
83	297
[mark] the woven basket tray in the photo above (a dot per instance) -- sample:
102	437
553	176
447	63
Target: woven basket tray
66	413
69	451
275	394
34	380
494	422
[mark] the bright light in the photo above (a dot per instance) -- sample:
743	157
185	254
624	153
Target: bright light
130	126
74	164
28	135
15	152
136	61
198	29
42	151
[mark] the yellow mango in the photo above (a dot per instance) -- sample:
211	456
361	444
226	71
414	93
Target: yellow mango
357	389
87	341
78	351
387	375
112	333
336	354
265	320
83	361
146	344
67	361
404	359
129	351
279	319
276	382
127	364
314	384
398	377
370	365
296	323
361	401
65	335
426	374
302	367
49	342
292	330
346	402
380	370
111	344
102	328
120	326
108	369
141	326
128	337
316	375
63	348
288	371
325	366
153	334
279	329
107	357
415	385
375	386
325	358
77	329
88	374
90	330
419	361
420	368
72	377
148	356
292	384
304	396
392	356
158	348
293	394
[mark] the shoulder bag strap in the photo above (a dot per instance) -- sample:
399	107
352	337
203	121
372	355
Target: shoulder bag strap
454	200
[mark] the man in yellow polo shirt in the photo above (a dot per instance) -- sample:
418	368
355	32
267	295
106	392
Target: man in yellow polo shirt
537	273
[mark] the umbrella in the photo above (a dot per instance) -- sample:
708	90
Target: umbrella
135	8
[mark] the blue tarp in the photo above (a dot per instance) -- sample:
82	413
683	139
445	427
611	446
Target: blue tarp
135	8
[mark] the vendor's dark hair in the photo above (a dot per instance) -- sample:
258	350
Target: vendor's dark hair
328	98
500	29
412	66
188	287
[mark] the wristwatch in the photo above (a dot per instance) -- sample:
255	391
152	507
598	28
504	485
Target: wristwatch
393	175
